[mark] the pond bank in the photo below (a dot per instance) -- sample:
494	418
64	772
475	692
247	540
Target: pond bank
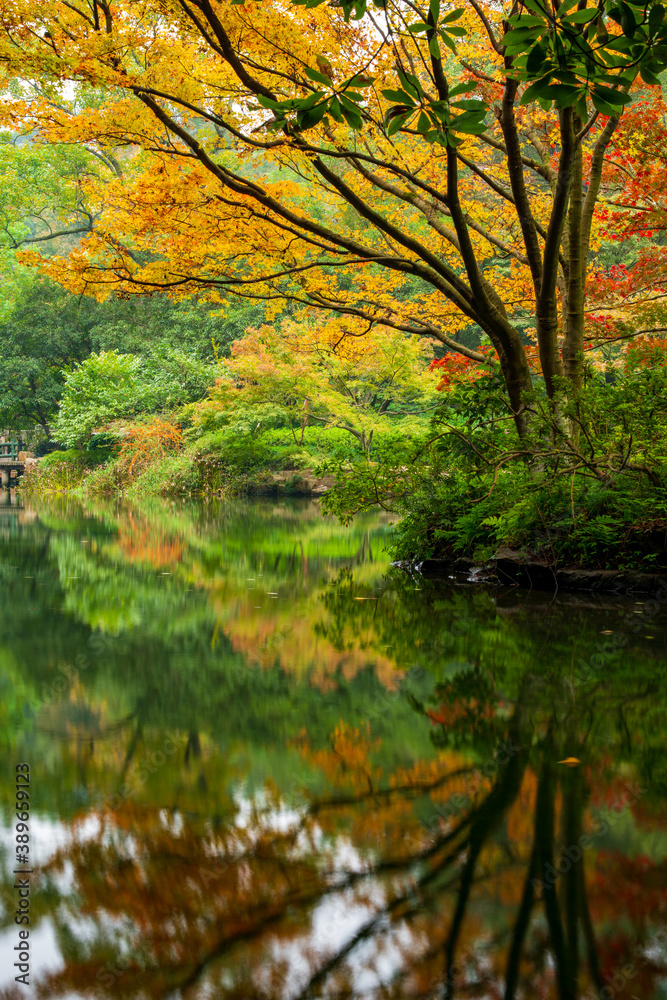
512	568
290	482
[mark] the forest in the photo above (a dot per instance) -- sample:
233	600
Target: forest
416	252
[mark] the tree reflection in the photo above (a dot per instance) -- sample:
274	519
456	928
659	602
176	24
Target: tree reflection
457	877
417	836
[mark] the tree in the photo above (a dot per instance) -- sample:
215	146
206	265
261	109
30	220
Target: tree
323	376
110	385
391	162
42	332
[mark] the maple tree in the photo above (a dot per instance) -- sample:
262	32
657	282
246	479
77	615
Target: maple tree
320	375
307	152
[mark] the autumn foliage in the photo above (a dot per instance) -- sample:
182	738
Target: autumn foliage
145	443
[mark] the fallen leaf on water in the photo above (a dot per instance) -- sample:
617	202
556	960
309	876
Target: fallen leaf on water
570	761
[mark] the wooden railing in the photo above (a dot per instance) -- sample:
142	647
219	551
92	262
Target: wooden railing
10	449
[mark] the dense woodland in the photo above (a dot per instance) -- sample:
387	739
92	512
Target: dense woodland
418	248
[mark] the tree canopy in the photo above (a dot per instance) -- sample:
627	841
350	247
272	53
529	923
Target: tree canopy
303	152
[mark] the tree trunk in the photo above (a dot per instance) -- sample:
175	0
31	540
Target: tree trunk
573	305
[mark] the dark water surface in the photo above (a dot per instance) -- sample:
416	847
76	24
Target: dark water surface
265	765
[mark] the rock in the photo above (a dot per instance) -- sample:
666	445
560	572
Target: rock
291	482
519	568
512	568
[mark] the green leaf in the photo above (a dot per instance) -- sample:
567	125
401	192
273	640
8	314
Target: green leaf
580	16
354	121
536	90
418	27
410	82
604	109
469	122
520	36
335	111
456	29
317	77
656	17
565	6
448	42
267	102
628	20
311	117
347	103
461	88
434	48
434	10
470	105
649	77
537	6
423	123
398	123
398	95
526	21
563	94
613	97
537	58
453	15
308	102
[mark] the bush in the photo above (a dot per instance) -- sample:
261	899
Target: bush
45	447
595	497
59	472
623	526
174	475
145	444
110	385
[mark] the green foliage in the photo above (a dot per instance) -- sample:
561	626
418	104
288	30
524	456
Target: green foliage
300	376
565	54
104	386
109	385
60	472
44	330
35	178
58	458
595	497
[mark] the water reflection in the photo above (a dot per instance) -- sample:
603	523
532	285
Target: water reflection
266	766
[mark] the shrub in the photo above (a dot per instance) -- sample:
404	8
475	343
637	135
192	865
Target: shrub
595	497
146	443
110	385
59	472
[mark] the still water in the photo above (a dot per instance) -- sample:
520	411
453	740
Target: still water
263	764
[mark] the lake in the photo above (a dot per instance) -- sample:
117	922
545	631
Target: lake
245	757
